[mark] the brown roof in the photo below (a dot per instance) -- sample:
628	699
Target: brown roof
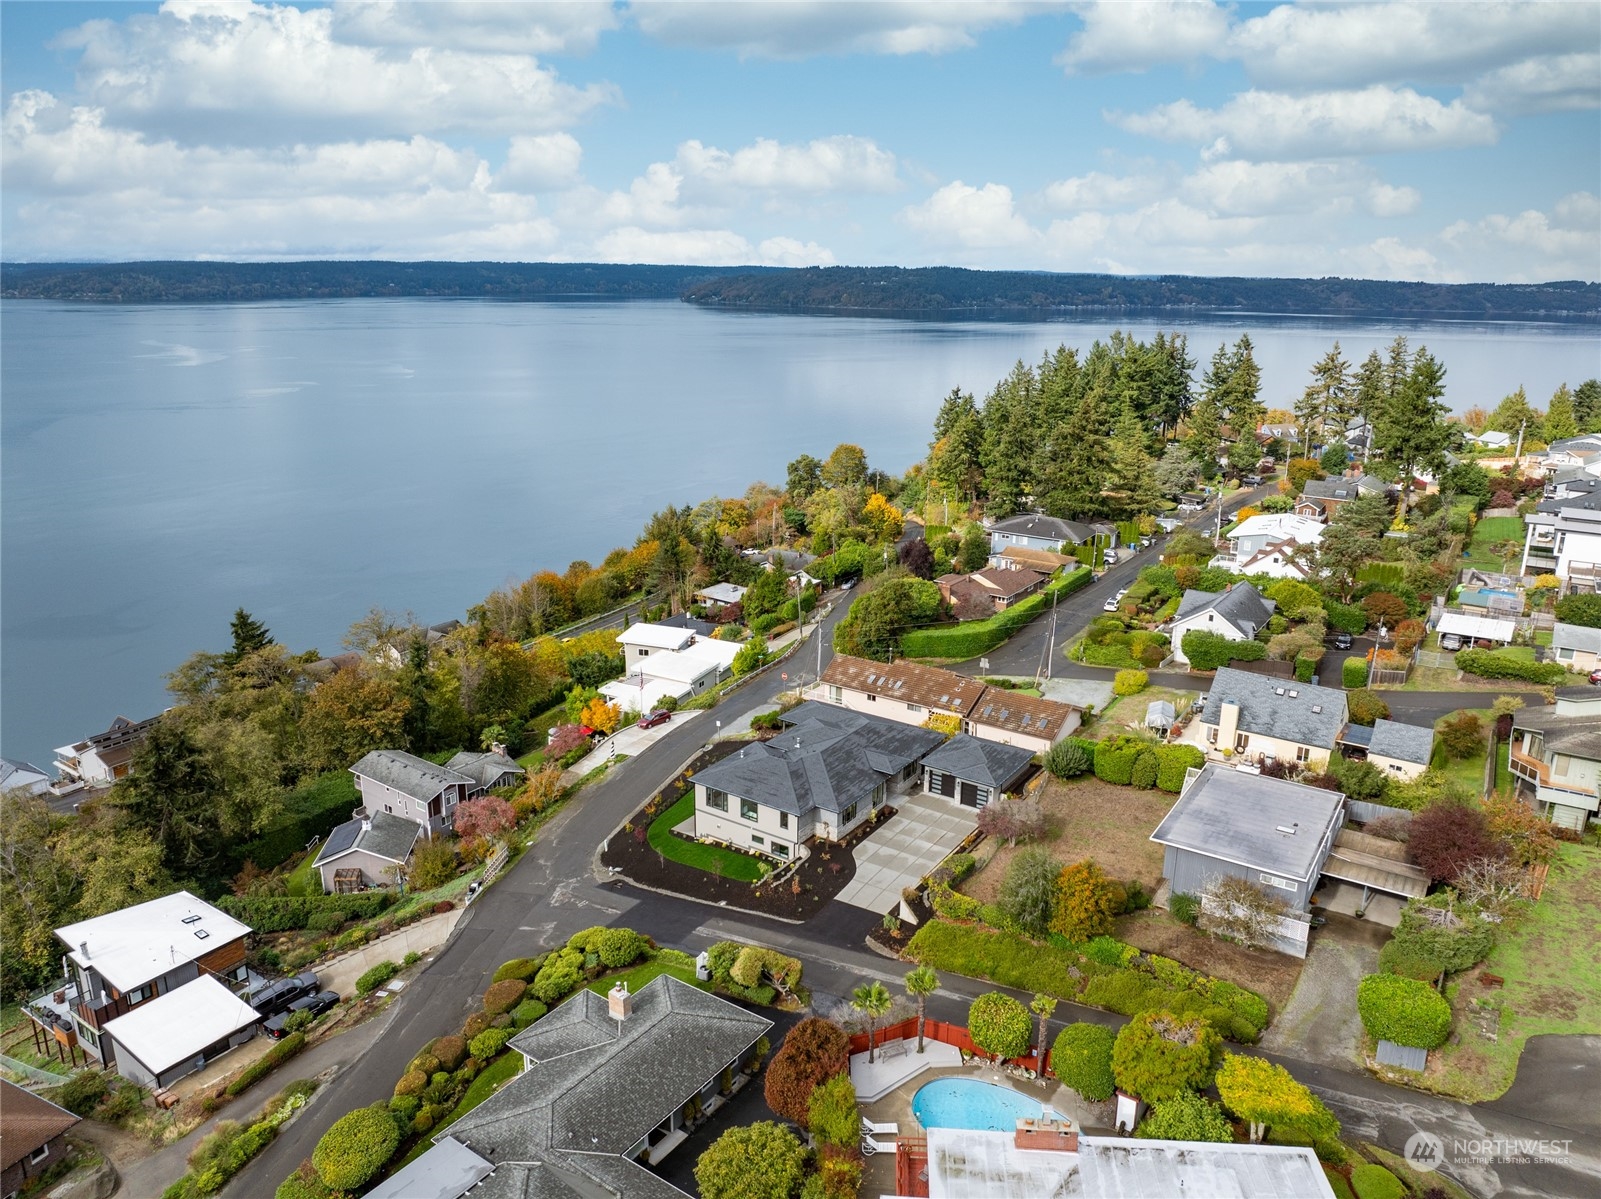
1015	712
942	690
1006	583
27	1123
1042	560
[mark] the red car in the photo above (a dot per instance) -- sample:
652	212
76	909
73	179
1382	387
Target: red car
652	719
1595	676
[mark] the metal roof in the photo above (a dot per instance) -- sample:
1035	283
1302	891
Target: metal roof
1486	627
1254	821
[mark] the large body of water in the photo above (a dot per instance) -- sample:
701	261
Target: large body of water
165	465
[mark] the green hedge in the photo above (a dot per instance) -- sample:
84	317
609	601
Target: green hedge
376	977
1354	673
1488	664
282	913
1082	1060
267	1063
1403	1010
1209	651
308	812
1171	763
974	637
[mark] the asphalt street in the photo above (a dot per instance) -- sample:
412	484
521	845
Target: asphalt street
558	887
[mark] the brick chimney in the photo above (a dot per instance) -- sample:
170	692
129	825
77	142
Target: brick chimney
619	1003
1048	1133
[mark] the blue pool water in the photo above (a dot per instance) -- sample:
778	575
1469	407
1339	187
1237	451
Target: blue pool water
967	1103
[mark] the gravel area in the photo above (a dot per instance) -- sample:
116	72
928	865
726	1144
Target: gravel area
1320	1023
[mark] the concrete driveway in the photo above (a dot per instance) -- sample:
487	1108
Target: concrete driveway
923	830
1320	1023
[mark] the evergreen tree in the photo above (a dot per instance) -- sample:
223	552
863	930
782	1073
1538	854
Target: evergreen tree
1412	432
1587	406
1171	398
1010	436
249	637
955	456
1515	414
1560	422
1327	400
1176	472
171	792
1072	487
1245	408
1396	367
413	682
1130	469
805	475
975	551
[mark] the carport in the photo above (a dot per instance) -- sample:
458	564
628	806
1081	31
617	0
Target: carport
924	829
1373	865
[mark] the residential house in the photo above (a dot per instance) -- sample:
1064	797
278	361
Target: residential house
1565	542
140	959
967	598
20	776
993	589
1556	756
1289	434
1503	602
491	769
369	851
1576	647
720	595
1255	533
1320	499
643	640
606	1087
973	772
1400	750
101	760
826	773
1570	483
1270	832
1237	613
158	1043
1275	560
1256	717
1582	452
1035	531
33	1136
1492	439
402	784
678	674
913	694
1045	561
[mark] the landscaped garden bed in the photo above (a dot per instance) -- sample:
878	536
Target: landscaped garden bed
648	852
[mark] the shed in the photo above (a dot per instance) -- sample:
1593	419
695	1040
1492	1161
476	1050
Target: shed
1159	714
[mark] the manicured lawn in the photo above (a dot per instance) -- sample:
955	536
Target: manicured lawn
714	859
1468	773
1488	533
640	975
305	880
1553	983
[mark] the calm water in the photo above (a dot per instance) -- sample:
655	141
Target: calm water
165	465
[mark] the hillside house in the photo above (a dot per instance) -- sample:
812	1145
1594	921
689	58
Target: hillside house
1576	647
402	784
1402	751
1563	537
33	1137
369	851
1238	613
1556	756
986	592
101	760
678	674
491	769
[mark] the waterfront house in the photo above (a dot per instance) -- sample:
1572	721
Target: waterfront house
369	851
1237	613
101	760
491	769
402	784
23	777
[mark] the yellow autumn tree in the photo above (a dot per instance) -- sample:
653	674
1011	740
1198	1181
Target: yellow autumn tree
885	519
598	714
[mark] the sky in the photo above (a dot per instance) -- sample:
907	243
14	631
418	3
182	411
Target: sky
1450	142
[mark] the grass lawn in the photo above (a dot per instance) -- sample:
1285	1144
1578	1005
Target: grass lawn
1553	984
1129	710
713	859
1503	773
642	974
305	879
1488	533
1468	773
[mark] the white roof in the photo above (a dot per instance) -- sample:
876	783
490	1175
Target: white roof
178	1025
656	636
1279	525
1464	625
1494	437
137	944
723	593
688	664
628	695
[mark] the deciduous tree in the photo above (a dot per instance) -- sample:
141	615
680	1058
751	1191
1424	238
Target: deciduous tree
1186	1117
1264	1095
1087	902
813	1051
754	1161
1242	910
486	817
1445	837
1158	1055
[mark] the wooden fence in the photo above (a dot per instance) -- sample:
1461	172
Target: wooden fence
934	1030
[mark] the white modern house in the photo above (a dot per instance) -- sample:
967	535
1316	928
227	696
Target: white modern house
102	759
1266	544
679	674
642	640
1237	614
1563	537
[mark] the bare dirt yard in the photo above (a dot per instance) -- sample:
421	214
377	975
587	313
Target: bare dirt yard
1271	975
1089	819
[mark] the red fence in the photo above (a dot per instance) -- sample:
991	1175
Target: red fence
933	1030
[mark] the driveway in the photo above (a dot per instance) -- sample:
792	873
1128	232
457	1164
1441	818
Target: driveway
906	847
1320	1023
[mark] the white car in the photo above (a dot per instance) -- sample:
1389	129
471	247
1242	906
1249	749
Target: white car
1110	605
1121	592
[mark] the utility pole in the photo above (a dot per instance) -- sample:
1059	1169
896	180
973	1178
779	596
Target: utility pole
1050	645
1517	458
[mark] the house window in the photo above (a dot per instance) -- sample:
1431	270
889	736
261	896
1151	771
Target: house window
38	1155
780	850
835	696
1241	740
914	707
137	995
783	820
1211	735
848	815
1395	768
717	800
748	810
1565	655
1302	754
878	794
757	839
872	699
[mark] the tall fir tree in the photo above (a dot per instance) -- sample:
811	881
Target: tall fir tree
1130	484
1245	408
1370	387
1559	418
1010	435
1326	401
1587	406
1412	431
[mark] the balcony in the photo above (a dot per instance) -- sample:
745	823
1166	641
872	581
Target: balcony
1529	769
52	1006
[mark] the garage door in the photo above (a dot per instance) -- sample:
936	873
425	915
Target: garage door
942	784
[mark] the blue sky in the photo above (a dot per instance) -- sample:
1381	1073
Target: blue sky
1449	142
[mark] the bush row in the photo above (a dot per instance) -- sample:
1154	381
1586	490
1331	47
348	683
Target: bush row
974	637
1490	665
1209	651
282	913
1124	760
267	1063
230	1147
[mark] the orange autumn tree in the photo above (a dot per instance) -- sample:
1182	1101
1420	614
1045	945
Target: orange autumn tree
598	714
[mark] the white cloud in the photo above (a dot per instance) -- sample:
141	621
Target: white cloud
1275	125
697	247
1386	201
831	164
541	163
1556	242
1558	82
1120	36
567	27
1100	190
796	29
251	74
1350	45
970	217
787	251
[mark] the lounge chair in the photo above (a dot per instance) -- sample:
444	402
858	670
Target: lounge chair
870	1146
872	1128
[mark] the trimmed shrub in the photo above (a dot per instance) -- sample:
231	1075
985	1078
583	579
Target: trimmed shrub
376	977
284	913
412	1083
475	1024
1114	759
952	905
1171	763
325	922
999	1025
1067	759
526	1012
1186	1117
1403	1010
267	1063
355	1148
1371	1181
1488	664
1209	651
1129	682
1366	706
1354	673
814	1051
503	996
618	947
1082	1059
1143	775
490	1042
1124	992
558	978
450	1051
521	969
1158	1055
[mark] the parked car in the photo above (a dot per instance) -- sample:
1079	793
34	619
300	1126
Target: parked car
1110	605
276	996
1111	557
1595	677
1450	642
1342	641
1252	480
1121	592
316	1004
651	719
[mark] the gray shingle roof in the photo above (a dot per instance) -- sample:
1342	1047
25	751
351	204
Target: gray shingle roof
986	762
1578	736
1049	528
1236	815
1242	605
1576	636
1331	489
385	835
827	758
1403	742
1277	707
596	1087
483	768
409	774
446	1171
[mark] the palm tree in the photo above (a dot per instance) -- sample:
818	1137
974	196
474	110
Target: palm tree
1042	1006
920	984
872	1000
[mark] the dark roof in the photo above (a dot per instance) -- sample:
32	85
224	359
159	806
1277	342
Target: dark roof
122	732
594	1087
27	1123
1237	816
1403	742
1242	605
1577	735
1331	489
827	758
684	620
926	686
484	767
1275	707
383	834
978	761
1046	528
408	774
1005	582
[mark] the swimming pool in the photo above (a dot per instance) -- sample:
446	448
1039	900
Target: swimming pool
968	1103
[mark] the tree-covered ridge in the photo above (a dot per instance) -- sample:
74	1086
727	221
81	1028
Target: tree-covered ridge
897	289
214	282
